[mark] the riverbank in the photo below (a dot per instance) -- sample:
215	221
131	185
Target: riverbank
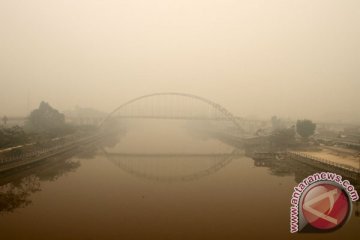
341	156
35	156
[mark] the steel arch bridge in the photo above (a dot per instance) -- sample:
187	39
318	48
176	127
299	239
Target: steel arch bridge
173	105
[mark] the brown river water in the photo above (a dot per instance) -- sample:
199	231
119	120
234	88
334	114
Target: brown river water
156	183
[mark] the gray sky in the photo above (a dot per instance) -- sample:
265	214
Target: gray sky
289	58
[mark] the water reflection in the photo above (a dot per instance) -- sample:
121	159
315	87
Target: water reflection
288	167
16	189
172	167
104	199
167	151
16	195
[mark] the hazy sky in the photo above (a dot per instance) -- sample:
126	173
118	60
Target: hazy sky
290	58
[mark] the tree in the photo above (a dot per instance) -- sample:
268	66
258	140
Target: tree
305	128
13	136
283	137
46	119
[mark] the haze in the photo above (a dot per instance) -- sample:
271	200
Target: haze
296	59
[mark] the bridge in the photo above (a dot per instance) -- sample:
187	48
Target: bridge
215	119
174	105
167	105
212	119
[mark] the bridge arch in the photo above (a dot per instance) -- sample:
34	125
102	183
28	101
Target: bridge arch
227	114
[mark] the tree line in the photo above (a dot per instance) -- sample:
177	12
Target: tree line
43	123
283	136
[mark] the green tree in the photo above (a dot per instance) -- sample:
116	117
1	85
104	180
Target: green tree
13	136
283	137
305	128
46	119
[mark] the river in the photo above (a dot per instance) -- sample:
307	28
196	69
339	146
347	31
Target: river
156	181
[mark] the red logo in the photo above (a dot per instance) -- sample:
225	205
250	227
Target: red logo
325	206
